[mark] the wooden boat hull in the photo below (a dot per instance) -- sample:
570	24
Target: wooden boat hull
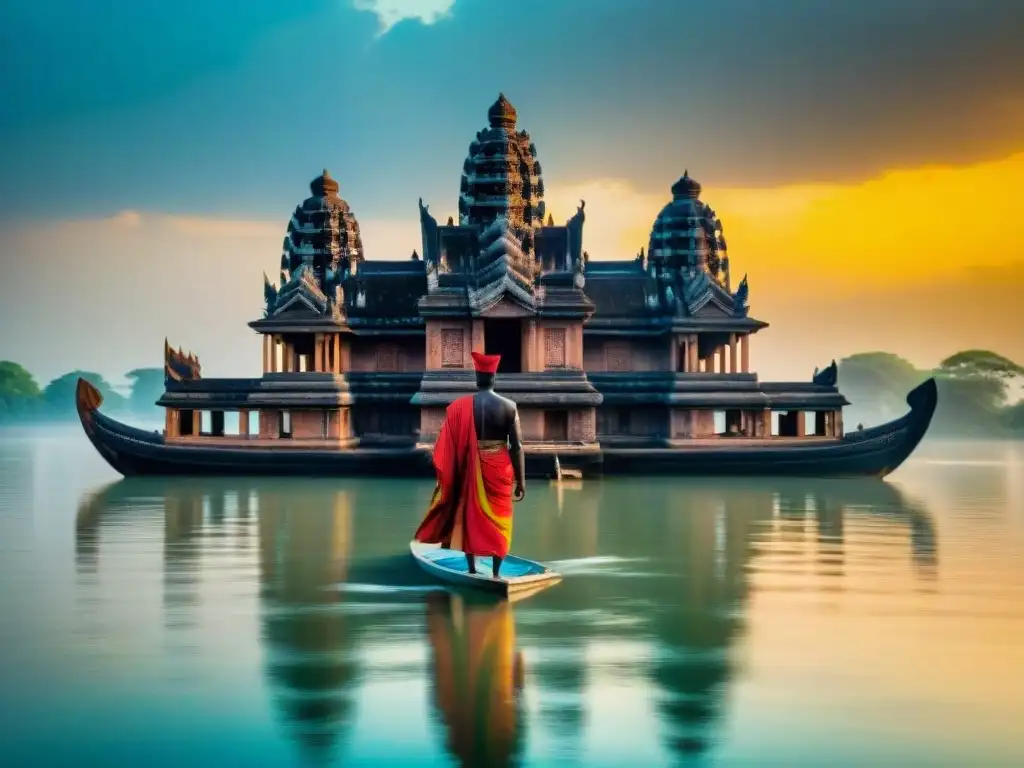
873	452
449	566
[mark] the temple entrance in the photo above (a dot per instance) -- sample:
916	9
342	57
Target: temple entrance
505	337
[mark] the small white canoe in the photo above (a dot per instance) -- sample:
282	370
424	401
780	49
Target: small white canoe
517	573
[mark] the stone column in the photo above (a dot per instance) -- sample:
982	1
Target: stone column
318	352
169	414
477	340
732	353
673	353
530	353
693	363
337	353
197	423
766	424
243	422
266	355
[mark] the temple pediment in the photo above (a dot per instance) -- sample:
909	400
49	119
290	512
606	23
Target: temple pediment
711	310
506	307
298	305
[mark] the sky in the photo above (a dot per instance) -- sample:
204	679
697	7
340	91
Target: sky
865	158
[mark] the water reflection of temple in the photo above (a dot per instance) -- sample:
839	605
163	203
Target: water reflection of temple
696	547
304	532
687	551
304	541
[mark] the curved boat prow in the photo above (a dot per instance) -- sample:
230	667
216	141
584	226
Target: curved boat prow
923	398
87	398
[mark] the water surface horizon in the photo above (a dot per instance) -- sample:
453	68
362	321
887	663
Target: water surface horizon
715	622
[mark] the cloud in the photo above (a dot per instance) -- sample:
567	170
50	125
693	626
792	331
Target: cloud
760	94
391	12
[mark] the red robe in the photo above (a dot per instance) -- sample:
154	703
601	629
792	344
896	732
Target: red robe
471	509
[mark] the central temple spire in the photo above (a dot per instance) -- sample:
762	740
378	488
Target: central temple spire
502	114
501	177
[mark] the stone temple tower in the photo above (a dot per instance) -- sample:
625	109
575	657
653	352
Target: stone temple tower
503	282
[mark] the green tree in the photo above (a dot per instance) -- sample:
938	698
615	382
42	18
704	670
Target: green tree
973	385
877	383
59	394
975	363
19	392
147	388
1014	417
972	390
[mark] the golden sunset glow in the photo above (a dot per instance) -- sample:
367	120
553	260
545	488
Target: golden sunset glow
912	224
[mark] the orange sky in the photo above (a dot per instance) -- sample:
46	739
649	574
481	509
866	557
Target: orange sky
922	262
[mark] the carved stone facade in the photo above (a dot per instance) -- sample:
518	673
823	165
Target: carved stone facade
554	347
627	350
582	426
431	420
453	347
387	359
618	358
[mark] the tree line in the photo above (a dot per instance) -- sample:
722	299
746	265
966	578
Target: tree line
23	400
979	392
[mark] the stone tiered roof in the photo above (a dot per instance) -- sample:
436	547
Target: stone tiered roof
501	175
386	293
501	246
322	233
687	233
688	258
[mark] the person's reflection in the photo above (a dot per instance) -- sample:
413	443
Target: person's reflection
304	541
478	676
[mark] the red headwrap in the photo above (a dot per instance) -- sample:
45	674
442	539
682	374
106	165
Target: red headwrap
486	363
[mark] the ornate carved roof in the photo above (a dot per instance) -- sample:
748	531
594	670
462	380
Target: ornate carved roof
687	234
179	365
323	233
300	290
501	175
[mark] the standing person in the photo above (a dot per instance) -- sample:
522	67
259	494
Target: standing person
480	469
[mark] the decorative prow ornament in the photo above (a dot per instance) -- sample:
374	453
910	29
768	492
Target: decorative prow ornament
740	298
179	366
828	377
269	295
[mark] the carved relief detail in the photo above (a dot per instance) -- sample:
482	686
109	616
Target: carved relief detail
618	357
433	346
452	348
554	347
387	359
576	426
582	426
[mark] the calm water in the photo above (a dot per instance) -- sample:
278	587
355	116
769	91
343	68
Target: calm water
169	623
